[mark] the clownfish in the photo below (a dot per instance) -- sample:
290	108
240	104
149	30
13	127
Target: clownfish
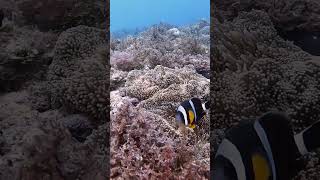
264	149
190	112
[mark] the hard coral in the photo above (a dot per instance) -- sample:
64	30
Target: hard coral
255	71
86	90
162	85
158	46
117	78
141	149
40	146
163	65
286	15
79	73
124	61
74	45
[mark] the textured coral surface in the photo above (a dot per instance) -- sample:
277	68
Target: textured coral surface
255	70
54	97
151	74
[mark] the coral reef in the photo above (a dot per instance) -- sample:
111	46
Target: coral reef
86	90
78	73
61	15
143	148
73	45
151	74
164	45
26	55
164	88
286	15
39	145
54	91
255	70
275	75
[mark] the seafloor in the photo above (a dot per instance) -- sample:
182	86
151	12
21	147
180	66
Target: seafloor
150	75
255	70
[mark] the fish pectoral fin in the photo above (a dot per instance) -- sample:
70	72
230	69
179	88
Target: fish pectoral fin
192	126
191	116
260	167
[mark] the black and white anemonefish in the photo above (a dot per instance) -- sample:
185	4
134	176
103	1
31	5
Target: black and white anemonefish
265	149
190	112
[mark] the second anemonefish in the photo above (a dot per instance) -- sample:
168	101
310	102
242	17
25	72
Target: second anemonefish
190	112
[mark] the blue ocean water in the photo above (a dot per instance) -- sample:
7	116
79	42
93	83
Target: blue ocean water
137	14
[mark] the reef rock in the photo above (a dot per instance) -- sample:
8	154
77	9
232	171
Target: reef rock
25	55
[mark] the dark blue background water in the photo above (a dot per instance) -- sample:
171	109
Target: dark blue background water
132	14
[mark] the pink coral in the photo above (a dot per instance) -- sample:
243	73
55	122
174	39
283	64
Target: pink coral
124	61
141	149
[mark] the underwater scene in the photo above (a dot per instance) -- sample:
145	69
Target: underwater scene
54	95
159	89
265	89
